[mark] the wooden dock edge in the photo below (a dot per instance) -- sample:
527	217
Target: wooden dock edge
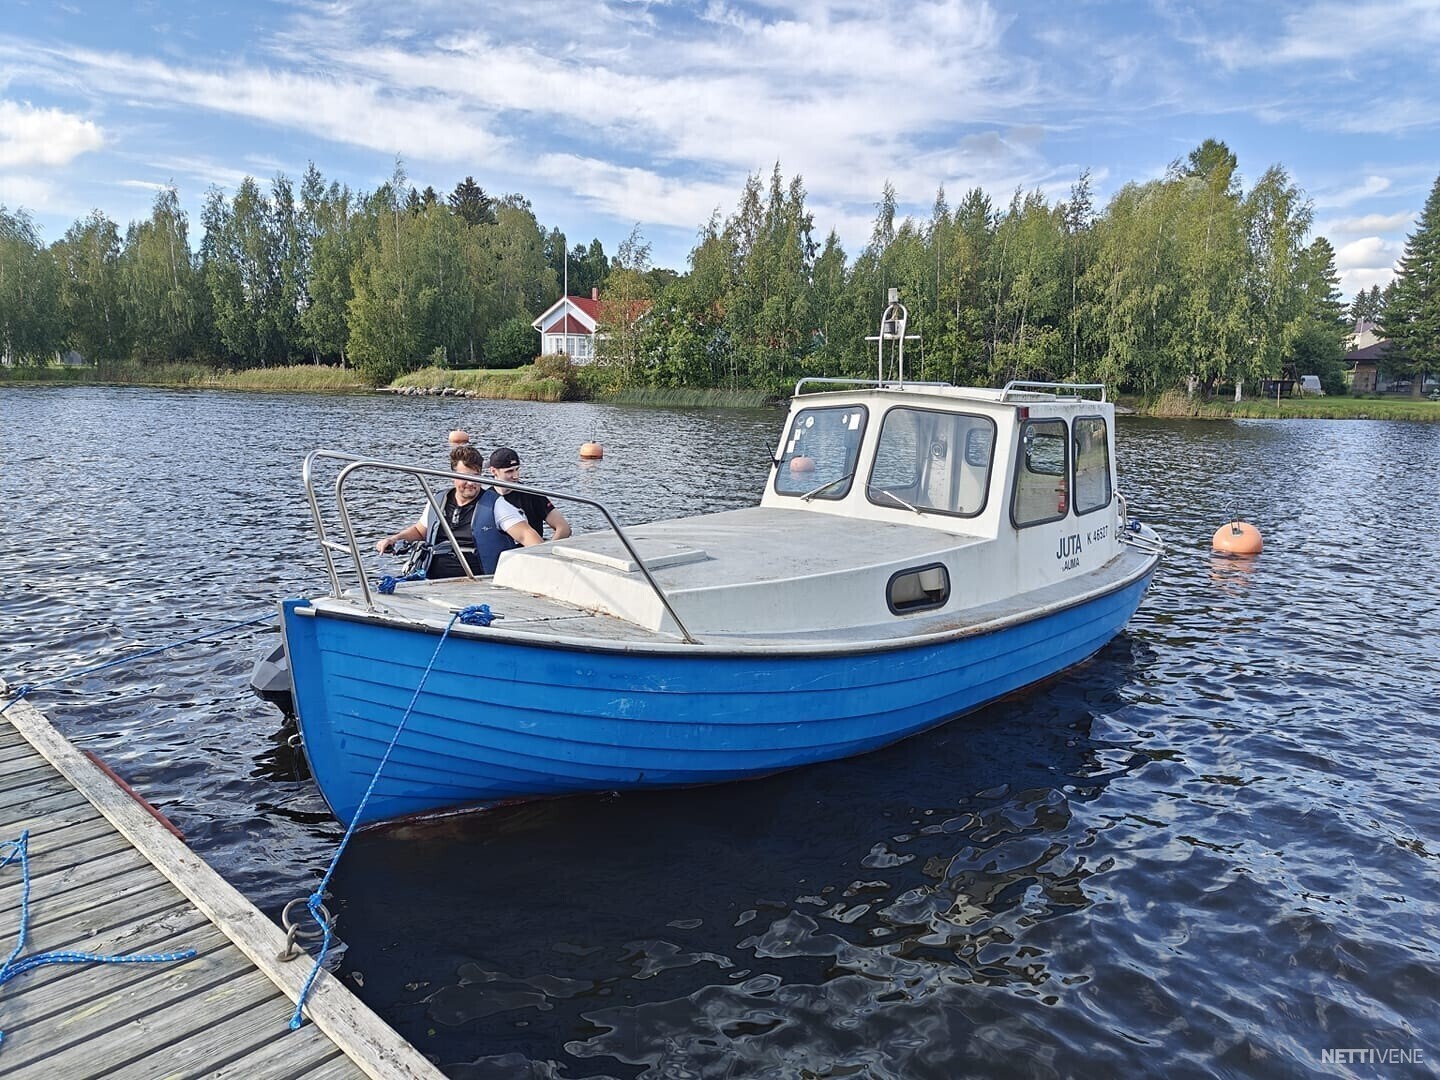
366	1039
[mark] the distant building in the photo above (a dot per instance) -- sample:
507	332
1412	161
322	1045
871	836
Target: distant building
571	326
1365	334
1362	367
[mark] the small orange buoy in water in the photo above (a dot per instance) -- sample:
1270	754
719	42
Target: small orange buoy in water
591	451
802	464
459	438
1237	538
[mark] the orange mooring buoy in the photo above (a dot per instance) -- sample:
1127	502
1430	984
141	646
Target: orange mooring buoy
1238	538
458	438
802	464
591	451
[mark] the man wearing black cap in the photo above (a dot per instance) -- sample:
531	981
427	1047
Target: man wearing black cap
538	510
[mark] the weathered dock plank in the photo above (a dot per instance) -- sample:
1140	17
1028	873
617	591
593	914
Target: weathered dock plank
107	877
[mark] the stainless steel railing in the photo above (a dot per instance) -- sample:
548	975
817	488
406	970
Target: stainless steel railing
1056	388
350	547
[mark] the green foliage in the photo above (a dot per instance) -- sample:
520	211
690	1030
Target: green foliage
1188	279
88	262
1367	305
30	324
471	204
1411	316
512	344
164	294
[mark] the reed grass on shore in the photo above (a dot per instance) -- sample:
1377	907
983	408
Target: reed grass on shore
538	382
195	376
1176	405
686	397
512	384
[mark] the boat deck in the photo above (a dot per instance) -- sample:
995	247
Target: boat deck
108	877
537	618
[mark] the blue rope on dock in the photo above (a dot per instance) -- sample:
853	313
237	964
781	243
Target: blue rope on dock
26	688
315	901
10	969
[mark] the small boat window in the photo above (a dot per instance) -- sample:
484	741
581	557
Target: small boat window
920	589
933	462
820	451
1092	464
1042	475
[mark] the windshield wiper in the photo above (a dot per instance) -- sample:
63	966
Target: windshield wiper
902	502
828	485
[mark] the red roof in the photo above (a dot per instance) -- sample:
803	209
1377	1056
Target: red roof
568	325
588	306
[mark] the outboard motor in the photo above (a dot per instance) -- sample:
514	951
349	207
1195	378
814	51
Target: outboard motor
270	678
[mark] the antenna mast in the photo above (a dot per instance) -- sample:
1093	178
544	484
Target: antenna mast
892	328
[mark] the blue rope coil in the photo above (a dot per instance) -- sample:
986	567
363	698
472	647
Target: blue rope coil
10	968
386	585
477	615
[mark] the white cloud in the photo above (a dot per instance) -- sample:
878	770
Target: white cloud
33	137
1367	261
29	192
1331	32
1353	282
634	194
1370	223
1369	187
1390	115
1367	251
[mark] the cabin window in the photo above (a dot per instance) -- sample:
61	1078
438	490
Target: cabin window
1042	473
933	462
920	589
1092	485
820	452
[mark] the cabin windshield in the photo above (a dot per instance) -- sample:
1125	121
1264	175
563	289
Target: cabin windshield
821	451
933	461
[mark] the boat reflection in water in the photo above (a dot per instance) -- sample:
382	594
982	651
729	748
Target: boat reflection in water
919	550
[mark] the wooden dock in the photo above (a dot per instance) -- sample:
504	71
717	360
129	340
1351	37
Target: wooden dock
108	877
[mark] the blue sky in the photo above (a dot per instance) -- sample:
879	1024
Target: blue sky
612	114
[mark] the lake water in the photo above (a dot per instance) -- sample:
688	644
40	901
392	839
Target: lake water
1211	850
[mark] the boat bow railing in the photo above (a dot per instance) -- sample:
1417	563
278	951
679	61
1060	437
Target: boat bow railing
350	547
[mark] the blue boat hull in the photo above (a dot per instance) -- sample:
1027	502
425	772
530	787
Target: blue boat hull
500	719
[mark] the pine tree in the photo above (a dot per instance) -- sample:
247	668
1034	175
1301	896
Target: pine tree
1412	308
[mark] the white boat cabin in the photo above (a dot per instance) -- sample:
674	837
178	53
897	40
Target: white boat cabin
889	506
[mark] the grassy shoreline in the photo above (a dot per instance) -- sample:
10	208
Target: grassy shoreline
533	383
1175	405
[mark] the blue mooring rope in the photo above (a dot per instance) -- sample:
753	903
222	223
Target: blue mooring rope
386	584
25	688
10	969
475	615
